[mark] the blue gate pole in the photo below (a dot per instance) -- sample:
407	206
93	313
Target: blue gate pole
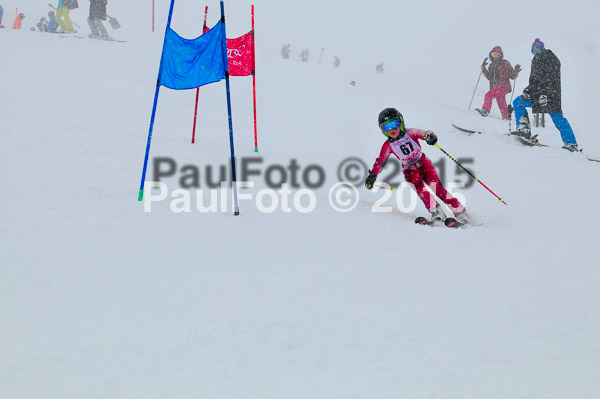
236	209
141	192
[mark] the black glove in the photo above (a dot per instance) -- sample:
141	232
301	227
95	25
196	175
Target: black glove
525	96
431	139
485	60
518	68
370	180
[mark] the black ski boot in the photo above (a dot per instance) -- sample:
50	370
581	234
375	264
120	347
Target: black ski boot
482	112
524	130
571	147
438	216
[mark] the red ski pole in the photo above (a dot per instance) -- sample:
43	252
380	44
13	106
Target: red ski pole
254	83
471	174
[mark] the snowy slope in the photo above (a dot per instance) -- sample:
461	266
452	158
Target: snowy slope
101	299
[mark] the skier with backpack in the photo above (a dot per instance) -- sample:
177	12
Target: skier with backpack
416	166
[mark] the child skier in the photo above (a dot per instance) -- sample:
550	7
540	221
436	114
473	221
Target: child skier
498	73
417	168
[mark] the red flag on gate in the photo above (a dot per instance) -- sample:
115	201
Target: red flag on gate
240	54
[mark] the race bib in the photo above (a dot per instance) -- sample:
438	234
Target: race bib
407	151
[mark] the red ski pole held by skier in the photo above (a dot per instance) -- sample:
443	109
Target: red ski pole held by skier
470	174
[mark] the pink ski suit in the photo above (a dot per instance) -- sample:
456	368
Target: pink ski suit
417	169
499	74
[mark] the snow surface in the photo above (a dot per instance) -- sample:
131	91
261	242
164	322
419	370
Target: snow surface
99	299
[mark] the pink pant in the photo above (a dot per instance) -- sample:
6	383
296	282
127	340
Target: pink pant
423	171
499	93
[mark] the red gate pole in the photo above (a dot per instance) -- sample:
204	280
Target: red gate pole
254	83
195	114
197	88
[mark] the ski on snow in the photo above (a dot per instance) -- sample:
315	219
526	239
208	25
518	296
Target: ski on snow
529	143
462	129
519	139
449	222
68	36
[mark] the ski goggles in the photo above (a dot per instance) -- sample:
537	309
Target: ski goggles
496	54
391	125
537	50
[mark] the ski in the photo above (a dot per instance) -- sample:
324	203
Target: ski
535	143
453	223
530	143
462	129
107	40
424	221
449	222
67	36
593	160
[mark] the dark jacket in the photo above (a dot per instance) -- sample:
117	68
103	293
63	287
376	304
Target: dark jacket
545	80
98	9
499	71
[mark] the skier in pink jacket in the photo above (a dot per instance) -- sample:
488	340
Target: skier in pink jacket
499	74
417	168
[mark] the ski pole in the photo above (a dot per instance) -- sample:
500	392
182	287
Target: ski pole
471	174
477	84
510	107
513	92
385	186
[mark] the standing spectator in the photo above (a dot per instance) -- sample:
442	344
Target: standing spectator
285	51
97	15
304	55
336	62
18	20
543	95
52	24
62	11
499	74
1	15
379	68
